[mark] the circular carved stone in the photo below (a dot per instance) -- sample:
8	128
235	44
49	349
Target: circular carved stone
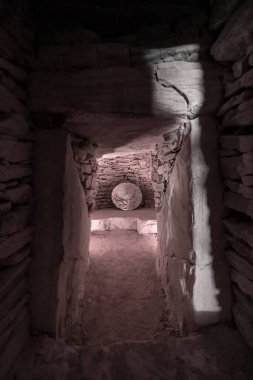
126	196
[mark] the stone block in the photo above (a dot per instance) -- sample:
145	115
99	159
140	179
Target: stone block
231	43
19	194
242	143
239	203
234	101
243	323
241	248
146	227
240	264
15	151
13	296
242	231
240	67
14	71
9	103
245	82
242	282
15	220
10	277
14	125
17	257
221	11
9	172
15	344
12	315
237	167
15	242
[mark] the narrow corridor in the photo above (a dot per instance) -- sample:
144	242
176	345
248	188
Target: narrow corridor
123	296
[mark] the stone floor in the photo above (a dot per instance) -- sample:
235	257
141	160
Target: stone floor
123	298
122	333
215	353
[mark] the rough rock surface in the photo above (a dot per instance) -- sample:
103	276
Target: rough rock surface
193	268
234	44
217	352
126	196
16	195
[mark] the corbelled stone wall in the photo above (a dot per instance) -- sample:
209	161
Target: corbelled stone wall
16	195
163	160
134	168
234	49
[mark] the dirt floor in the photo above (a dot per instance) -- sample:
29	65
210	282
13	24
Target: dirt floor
123	298
122	333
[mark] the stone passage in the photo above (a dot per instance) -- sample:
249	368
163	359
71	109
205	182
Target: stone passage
123	298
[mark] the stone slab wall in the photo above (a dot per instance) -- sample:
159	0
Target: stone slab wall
234	49
134	168
16	194
61	237
191	262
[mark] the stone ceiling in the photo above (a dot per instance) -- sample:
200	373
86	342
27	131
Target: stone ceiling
113	18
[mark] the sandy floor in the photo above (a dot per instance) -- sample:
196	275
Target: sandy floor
123	299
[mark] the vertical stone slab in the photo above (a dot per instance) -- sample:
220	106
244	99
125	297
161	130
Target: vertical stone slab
76	238
49	166
211	290
191	264
61	233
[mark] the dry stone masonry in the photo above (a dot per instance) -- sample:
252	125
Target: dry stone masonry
133	168
233	49
16	195
163	160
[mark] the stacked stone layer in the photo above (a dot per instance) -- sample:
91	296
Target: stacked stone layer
16	201
236	151
163	160
134	168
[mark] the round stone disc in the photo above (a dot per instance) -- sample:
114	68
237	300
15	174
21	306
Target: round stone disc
126	196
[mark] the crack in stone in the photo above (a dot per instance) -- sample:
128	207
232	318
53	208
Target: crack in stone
190	262
180	92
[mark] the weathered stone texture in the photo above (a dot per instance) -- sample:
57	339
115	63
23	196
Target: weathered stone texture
190	266
234	45
16	150
61	253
